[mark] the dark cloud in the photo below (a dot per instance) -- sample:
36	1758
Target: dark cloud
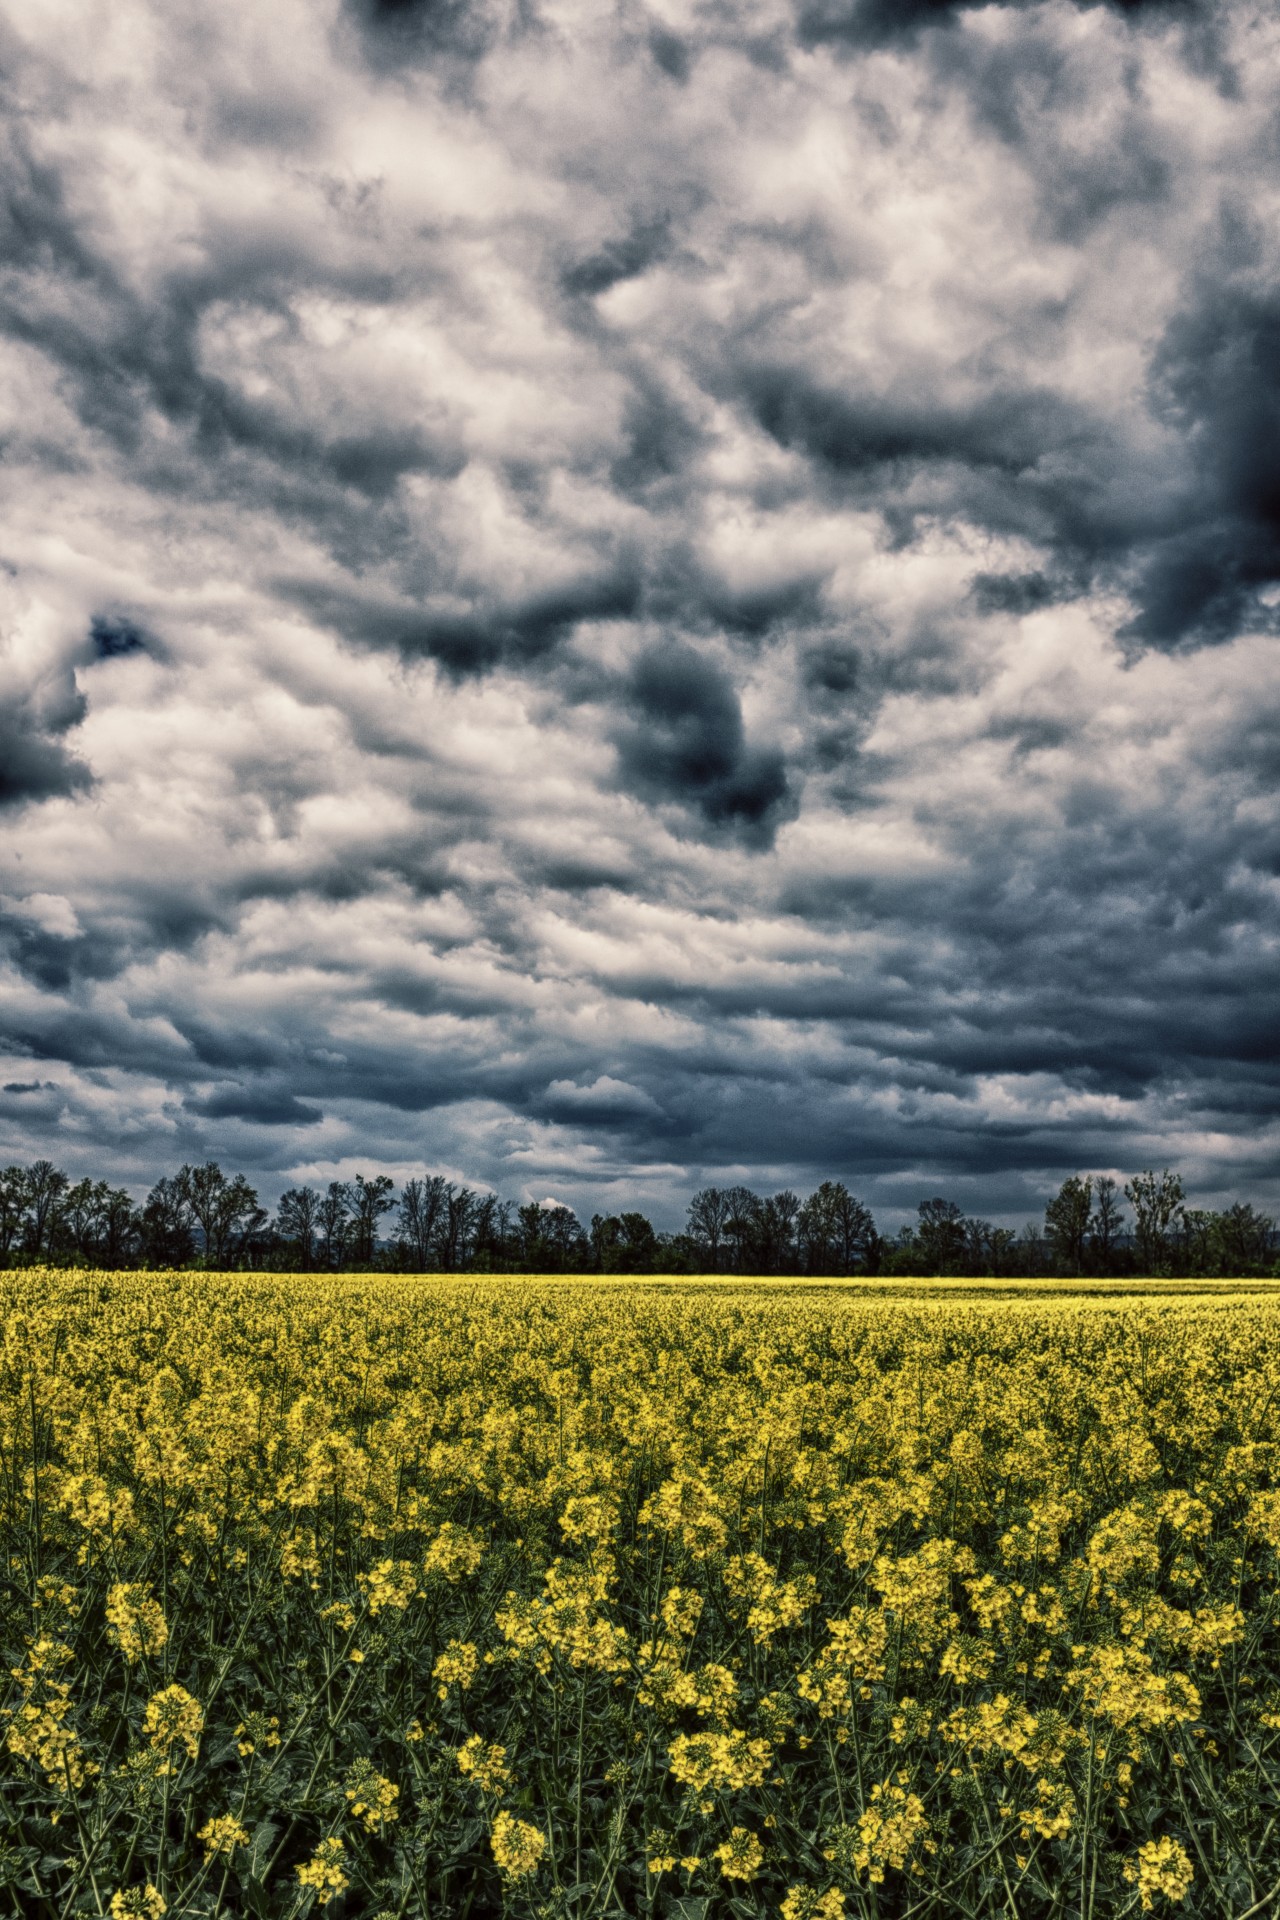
483	637
686	743
393	32
871	23
876	23
617	260
671	53
36	762
264	1106
111	636
1216	380
831	667
1014	592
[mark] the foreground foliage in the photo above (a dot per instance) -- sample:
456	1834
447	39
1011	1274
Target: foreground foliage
416	1598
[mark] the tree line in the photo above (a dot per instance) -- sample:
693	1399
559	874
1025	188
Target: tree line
201	1216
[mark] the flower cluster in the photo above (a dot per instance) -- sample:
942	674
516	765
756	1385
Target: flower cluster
517	1847
445	1594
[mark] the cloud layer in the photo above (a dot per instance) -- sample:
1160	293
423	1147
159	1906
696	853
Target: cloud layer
608	600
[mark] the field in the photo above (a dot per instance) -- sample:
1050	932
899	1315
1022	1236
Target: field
462	1597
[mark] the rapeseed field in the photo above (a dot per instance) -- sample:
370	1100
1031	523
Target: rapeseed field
468	1597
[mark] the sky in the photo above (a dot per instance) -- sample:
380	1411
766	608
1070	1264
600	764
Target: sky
608	598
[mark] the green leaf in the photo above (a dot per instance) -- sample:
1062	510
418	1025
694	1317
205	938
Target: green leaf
265	1835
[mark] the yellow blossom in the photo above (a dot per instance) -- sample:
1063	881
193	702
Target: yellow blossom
135	1622
485	1763
719	1761
517	1846
455	1667
138	1903
371	1797
223	1834
174	1718
1160	1867
741	1856
806	1903
323	1874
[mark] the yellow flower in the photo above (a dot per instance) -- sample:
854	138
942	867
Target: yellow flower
589	1517
741	1856
682	1610
391	1583
1160	1866
454	1554
222	1835
806	1903
966	1659
909	1721
456	1667
719	1761
517	1846
257	1730
371	1796
1119	1684
888	1830
135	1622
173	1718
40	1726
775	1604
685	1506
139	1903
710	1691
1053	1811
484	1764
323	1873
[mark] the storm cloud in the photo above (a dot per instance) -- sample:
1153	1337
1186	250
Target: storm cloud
607	600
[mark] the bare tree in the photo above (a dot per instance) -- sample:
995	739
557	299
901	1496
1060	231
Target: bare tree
1066	1221
13	1207
1106	1222
741	1207
771	1234
940	1236
46	1195
836	1232
168	1224
563	1237
551	1237
706	1221
226	1210
491	1232
298	1222
455	1236
371	1199
83	1212
421	1211
1156	1199
333	1222
1002	1244
120	1227
979	1245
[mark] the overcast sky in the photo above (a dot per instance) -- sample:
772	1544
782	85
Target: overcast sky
605	598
